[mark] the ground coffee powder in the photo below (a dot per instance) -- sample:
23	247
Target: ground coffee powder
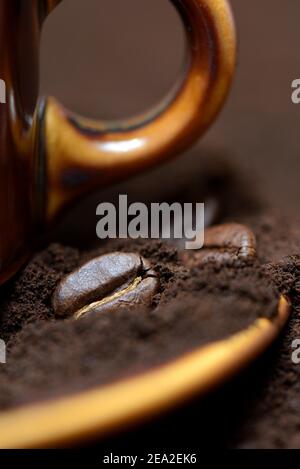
47	357
191	308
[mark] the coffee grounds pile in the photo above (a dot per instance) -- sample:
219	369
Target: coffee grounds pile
191	309
47	357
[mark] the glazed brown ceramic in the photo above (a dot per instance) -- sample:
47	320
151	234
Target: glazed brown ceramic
49	157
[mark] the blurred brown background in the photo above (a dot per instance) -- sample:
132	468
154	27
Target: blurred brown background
114	58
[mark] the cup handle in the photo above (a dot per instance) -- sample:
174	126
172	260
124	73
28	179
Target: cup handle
82	154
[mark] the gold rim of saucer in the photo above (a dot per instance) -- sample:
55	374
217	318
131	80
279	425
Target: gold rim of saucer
103	409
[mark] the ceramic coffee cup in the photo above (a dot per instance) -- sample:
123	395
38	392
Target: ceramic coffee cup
49	156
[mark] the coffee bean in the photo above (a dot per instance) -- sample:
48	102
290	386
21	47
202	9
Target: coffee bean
105	284
231	235
224	244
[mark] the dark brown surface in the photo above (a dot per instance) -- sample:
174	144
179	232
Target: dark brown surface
259	129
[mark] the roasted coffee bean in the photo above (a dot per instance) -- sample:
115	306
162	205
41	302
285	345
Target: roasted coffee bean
224	244
105	284
231	235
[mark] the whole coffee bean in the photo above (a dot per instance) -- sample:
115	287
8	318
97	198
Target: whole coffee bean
105	284
231	235
224	244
